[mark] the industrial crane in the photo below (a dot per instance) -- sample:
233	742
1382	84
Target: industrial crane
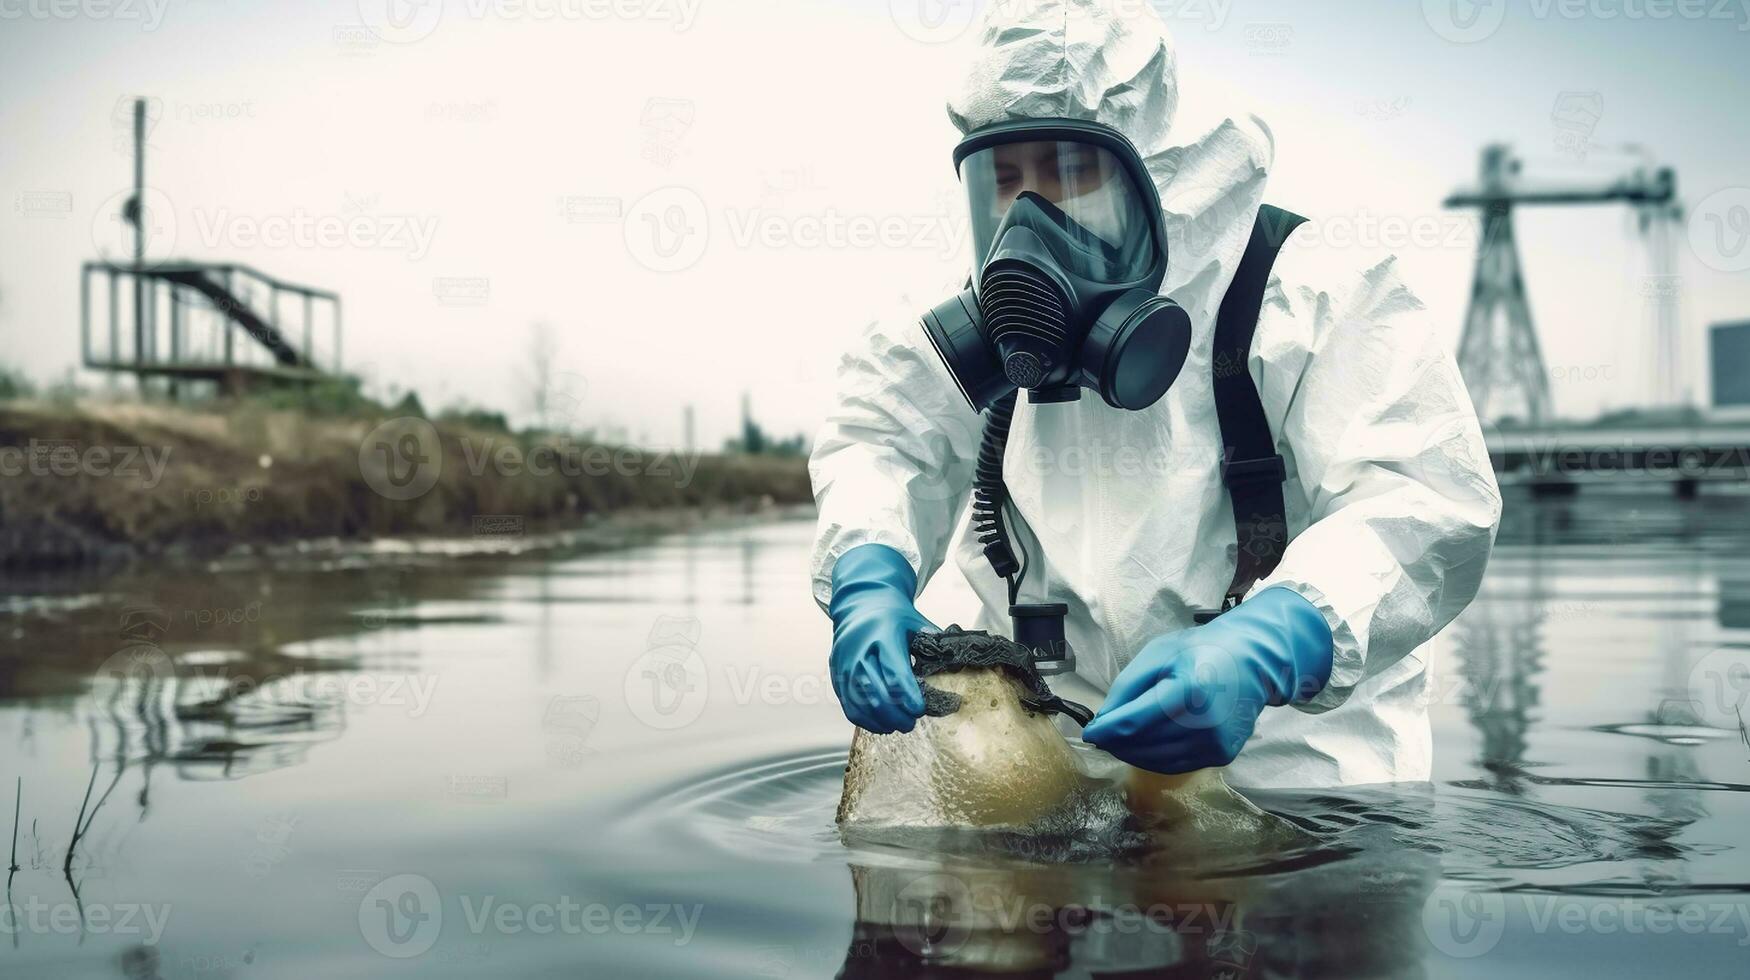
1498	352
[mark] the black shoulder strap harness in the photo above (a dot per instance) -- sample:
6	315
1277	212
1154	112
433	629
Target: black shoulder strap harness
1250	467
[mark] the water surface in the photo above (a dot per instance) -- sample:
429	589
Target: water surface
626	764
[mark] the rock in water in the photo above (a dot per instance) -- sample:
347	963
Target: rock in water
992	763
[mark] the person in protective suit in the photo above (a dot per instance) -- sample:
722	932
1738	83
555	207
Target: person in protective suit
1104	252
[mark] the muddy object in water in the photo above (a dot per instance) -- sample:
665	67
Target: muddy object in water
991	762
987	755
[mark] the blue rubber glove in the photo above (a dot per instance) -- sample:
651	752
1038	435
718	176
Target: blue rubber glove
873	620
1190	699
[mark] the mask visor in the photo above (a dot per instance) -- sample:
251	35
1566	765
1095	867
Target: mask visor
1077	196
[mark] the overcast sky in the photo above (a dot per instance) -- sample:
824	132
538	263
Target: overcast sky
705	197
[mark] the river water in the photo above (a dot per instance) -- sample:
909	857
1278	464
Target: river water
626	763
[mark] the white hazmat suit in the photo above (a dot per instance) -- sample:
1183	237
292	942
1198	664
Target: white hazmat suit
1391	501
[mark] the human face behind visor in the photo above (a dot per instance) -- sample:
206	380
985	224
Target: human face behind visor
1079	187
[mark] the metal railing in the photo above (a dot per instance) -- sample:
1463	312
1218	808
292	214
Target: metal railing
206	320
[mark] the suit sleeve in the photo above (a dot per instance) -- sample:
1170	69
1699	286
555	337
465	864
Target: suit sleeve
893	462
1402	503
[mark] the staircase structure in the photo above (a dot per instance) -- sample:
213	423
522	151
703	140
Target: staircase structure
191	321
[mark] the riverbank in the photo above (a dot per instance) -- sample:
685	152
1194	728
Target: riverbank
113	482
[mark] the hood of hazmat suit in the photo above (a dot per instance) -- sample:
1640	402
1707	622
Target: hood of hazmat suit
1391	500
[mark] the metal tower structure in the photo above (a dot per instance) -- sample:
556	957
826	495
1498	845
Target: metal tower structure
1498	352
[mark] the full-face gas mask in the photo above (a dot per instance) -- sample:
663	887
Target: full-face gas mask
1071	252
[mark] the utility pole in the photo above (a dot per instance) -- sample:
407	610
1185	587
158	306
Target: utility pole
135	214
687	429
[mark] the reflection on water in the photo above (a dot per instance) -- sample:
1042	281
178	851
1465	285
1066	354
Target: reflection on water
627	763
